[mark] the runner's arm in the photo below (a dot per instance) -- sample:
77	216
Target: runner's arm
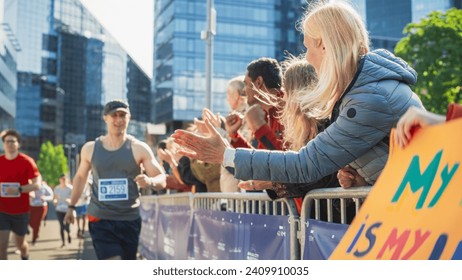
155	174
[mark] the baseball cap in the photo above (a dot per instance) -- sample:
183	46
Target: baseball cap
115	105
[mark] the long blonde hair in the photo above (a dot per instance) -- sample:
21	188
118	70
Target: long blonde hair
299	78
345	39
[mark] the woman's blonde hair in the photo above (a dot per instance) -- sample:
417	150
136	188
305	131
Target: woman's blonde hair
299	78
345	39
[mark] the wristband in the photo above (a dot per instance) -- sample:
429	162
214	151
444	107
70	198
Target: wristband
71	207
233	135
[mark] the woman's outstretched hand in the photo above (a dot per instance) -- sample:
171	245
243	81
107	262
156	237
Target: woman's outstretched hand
208	148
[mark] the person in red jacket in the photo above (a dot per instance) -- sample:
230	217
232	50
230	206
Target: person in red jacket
19	175
263	82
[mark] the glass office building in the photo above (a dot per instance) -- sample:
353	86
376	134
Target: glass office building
245	30
69	67
386	19
9	47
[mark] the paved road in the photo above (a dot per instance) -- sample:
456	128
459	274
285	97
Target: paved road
48	245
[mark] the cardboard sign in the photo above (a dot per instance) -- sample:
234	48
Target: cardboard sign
414	209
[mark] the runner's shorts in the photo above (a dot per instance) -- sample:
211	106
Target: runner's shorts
115	238
16	223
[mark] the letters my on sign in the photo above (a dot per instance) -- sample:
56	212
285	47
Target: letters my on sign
410	212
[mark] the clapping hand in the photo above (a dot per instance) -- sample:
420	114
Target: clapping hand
207	148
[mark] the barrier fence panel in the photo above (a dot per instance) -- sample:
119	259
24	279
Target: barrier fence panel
148	236
173	227
243	226
336	207
165	236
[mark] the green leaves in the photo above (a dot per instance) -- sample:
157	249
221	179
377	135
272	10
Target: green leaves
52	162
434	49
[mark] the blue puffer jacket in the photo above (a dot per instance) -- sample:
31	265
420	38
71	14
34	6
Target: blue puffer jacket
362	120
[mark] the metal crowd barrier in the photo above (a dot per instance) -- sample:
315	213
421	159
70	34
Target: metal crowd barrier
356	194
150	208
253	203
261	204
245	203
184	198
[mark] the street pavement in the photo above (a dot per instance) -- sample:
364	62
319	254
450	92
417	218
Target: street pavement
48	245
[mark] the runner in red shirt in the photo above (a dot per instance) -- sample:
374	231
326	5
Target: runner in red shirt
19	175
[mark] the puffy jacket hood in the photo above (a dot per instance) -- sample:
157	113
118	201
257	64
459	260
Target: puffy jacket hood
381	65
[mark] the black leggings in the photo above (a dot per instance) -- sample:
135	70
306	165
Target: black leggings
62	226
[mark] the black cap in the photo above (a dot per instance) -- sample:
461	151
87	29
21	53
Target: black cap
115	105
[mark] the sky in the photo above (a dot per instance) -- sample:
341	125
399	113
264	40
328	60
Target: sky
131	23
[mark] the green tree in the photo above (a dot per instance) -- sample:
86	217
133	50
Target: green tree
434	49
52	162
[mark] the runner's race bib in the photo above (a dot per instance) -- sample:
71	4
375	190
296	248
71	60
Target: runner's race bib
112	189
15	186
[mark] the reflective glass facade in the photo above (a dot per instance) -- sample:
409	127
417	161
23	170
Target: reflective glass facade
69	68
245	30
421	8
386	19
9	46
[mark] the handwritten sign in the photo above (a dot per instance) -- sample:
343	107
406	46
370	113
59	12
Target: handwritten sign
414	209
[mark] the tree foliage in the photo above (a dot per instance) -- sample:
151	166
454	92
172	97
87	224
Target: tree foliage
52	162
434	49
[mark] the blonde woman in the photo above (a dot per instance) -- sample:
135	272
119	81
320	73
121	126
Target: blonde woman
363	92
299	78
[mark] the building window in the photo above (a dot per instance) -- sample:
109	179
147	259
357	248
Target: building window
47	135
47	113
49	66
48	90
49	42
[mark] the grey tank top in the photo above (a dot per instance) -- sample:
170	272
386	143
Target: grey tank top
118	164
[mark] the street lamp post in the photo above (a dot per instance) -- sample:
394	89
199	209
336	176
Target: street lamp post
208	35
70	162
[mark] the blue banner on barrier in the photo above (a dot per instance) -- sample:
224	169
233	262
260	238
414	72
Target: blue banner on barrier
173	227
225	235
321	239
148	235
